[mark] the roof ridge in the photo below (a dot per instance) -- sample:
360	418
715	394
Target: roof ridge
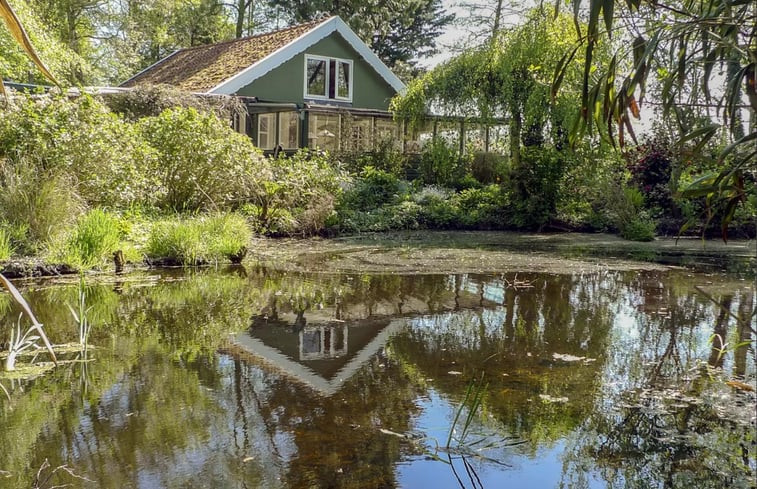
247	38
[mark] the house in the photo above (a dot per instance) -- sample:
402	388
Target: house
315	85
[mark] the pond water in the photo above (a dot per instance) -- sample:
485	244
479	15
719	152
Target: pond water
254	377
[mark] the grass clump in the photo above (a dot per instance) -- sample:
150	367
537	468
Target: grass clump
6	249
200	240
96	236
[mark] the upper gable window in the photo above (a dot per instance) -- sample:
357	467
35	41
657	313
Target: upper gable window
328	78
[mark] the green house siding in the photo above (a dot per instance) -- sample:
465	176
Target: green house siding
286	82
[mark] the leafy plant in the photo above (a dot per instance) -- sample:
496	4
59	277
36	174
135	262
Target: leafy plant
440	162
80	315
18	341
201	162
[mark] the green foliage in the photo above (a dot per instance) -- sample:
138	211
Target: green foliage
675	49
96	237
373	189
201	162
535	186
488	167
504	79
36	205
295	194
6	247
66	64
440	162
200	240
640	228
624	207
104	157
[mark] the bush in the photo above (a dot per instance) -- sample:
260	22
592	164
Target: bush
488	167
202	163
535	186
96	237
640	228
104	158
624	206
199	240
440	163
373	189
297	195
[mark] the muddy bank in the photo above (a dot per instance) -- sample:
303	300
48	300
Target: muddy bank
484	252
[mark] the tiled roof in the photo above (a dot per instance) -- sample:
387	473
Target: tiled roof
200	68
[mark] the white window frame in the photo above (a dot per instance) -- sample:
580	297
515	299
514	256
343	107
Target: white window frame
327	60
270	133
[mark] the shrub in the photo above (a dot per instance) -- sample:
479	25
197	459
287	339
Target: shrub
373	189
535	186
625	212
105	159
96	237
640	228
37	205
199	240
488	167
202	163
440	162
297	195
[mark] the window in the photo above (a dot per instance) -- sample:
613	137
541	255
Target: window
323	132
328	78
360	133
289	125
266	130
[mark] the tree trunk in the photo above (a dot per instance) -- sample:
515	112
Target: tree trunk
241	11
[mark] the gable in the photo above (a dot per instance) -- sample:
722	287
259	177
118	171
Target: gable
286	82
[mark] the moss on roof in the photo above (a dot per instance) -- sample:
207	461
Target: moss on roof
200	68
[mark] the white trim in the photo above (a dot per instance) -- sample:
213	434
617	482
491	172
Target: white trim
295	47
270	133
328	60
308	376
154	64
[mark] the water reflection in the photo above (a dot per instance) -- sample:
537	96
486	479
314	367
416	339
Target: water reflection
264	379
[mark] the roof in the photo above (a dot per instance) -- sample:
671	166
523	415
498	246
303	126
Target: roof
226	67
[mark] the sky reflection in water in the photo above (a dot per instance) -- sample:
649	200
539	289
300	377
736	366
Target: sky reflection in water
259	378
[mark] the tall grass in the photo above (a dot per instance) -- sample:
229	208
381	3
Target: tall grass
200	240
6	248
39	204
96	237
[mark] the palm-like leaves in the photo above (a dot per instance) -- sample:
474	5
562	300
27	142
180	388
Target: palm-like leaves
679	44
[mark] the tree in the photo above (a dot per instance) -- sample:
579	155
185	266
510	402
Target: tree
19	56
396	30
699	58
507	78
138	33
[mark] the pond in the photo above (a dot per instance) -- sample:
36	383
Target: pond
266	377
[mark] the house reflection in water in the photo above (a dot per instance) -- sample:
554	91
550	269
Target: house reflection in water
325	345
317	343
323	357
